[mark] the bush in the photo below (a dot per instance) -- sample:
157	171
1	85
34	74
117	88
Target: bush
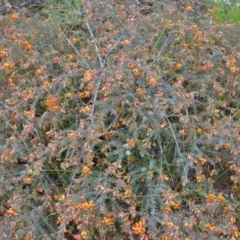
119	123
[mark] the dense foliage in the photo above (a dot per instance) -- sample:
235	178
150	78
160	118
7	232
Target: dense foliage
119	120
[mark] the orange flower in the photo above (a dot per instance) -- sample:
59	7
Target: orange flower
176	205
27	45
9	65
108	220
89	75
85	94
130	65
165	238
85	206
86	171
47	84
3	53
167	209
10	212
189	8
52	104
130	159
210	227
198	35
14	16
211	198
139	228
131	142
128	193
27	180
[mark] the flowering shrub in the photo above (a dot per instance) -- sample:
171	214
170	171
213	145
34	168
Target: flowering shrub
123	126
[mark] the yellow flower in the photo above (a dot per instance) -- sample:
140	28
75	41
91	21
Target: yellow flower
189	8
37	72
221	197
179	66
226	145
126	42
203	160
181	33
70	56
30	171
199	131
237	233
86	171
135	71
84	234
169	224
152	81
62	197
74	40
199	178
139	90
234	69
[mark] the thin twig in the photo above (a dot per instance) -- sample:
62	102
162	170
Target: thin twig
94	43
